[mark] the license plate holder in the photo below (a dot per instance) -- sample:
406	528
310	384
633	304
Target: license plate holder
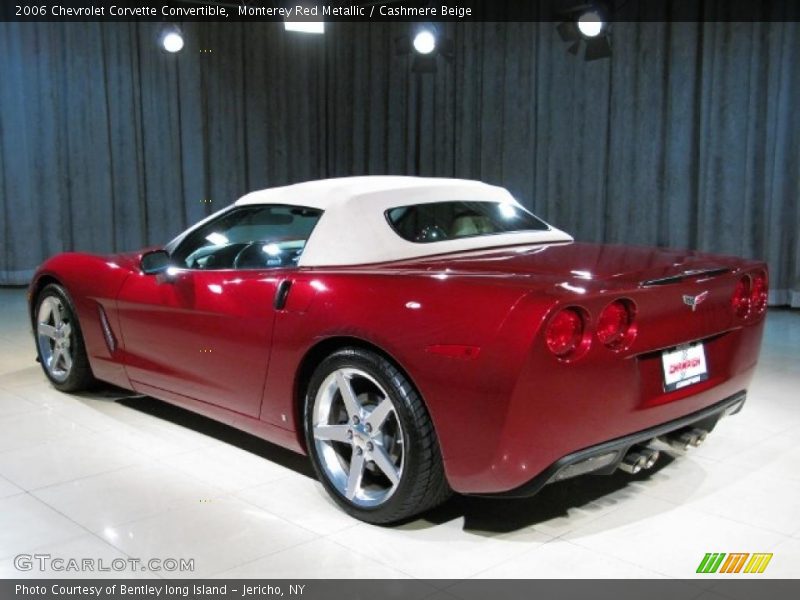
683	366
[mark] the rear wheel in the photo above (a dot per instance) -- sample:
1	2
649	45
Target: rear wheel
371	440
59	341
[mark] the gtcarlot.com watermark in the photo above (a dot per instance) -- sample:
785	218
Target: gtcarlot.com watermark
57	564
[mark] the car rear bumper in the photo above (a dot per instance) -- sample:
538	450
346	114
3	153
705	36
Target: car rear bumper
605	458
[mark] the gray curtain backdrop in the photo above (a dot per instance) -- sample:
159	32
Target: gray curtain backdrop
689	136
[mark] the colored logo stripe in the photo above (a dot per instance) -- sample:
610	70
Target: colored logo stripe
758	563
713	562
734	562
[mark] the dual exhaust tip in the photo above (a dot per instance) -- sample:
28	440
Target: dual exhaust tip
689	438
641	458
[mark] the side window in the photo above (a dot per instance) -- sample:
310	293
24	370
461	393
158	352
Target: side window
249	237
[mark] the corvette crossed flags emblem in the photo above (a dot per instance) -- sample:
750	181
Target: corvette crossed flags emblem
693	301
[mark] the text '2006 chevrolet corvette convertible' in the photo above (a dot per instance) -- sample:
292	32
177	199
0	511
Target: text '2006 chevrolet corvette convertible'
414	337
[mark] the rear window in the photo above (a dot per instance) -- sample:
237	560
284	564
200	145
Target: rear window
455	219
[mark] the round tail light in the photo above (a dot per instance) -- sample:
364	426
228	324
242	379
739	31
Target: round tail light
565	332
615	325
758	293
740	301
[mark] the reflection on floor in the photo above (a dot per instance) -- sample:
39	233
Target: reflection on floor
96	476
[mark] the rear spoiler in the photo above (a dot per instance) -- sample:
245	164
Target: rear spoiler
690	274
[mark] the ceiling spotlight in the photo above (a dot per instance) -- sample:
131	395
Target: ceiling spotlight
425	45
590	24
425	42
172	40
305	26
586	27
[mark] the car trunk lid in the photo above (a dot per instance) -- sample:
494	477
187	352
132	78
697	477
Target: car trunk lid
680	296
585	264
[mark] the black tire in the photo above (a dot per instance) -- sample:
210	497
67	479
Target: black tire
79	376
422	484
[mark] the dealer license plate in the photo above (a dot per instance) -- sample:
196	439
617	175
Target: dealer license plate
685	365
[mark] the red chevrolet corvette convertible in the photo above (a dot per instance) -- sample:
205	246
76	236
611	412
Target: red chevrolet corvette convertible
414	337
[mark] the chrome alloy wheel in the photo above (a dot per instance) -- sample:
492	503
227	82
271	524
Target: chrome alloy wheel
358	437
54	336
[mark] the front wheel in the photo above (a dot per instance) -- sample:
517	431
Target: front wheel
371	440
59	341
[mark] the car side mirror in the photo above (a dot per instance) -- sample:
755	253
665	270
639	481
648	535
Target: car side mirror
155	262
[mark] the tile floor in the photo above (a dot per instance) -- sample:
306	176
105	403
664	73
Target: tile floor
97	476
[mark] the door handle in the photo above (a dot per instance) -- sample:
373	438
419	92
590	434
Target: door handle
281	294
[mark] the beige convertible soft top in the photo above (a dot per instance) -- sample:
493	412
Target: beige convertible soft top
354	229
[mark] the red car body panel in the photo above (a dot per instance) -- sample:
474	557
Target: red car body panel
205	335
466	328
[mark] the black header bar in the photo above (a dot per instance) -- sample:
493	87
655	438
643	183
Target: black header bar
332	11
